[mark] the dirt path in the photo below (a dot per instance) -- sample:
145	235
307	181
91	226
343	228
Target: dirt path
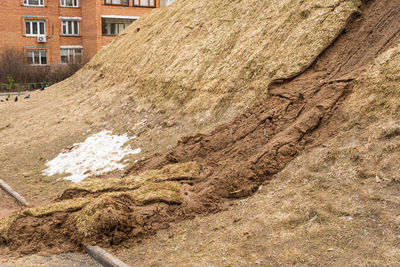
238	157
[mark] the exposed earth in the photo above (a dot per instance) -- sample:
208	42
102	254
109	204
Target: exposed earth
307	175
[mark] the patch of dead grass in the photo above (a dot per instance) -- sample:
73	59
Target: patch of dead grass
184	171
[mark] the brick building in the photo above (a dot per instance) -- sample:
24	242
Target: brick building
66	31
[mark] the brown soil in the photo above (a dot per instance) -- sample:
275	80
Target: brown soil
237	157
8	206
140	85
334	205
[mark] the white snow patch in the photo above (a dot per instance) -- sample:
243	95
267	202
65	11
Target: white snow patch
98	154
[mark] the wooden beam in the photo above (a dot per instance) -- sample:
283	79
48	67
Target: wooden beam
103	257
13	193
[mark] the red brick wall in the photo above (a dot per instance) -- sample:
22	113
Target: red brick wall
91	27
12	25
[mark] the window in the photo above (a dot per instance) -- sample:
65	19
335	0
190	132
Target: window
70	27
71	55
33	2
146	3
38	57
165	2
115	26
35	28
117	2
69	3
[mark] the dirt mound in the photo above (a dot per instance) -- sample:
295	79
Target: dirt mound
232	161
101	211
296	114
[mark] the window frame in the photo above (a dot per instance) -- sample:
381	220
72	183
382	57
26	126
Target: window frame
26	3
140	5
73	28
111	4
74	54
40	51
31	22
65	5
109	22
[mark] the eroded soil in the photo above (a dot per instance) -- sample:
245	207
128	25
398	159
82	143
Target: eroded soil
238	157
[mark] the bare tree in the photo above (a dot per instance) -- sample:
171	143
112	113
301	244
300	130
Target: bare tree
17	74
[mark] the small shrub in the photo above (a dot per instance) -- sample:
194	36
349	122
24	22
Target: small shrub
11	85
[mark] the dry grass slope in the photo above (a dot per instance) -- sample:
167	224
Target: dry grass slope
179	70
206	67
335	205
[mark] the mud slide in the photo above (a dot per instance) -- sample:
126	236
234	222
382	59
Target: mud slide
203	171
237	157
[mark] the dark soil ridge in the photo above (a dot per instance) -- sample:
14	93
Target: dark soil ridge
237	157
298	113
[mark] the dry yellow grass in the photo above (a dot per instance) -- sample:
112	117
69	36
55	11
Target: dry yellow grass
69	205
5	224
209	65
188	170
176	71
335	205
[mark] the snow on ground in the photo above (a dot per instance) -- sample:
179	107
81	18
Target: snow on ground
98	154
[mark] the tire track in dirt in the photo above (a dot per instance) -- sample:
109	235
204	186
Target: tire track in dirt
238	157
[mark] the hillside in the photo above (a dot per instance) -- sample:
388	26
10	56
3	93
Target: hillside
307	103
337	204
176	89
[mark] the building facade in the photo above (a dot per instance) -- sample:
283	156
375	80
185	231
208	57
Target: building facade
66	31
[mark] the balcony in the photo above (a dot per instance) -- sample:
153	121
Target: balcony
114	26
